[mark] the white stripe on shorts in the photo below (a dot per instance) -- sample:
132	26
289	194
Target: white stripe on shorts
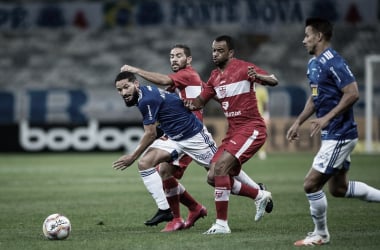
247	143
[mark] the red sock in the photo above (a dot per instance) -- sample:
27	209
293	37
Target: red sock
171	191
186	199
248	191
222	194
245	190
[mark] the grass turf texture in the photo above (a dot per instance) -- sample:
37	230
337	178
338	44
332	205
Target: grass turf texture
107	208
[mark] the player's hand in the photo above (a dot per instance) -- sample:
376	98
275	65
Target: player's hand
292	133
252	73
123	162
128	68
317	125
189	104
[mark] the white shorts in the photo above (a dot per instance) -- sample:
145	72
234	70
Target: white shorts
334	155
201	147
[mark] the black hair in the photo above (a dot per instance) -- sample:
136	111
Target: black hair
125	75
228	39
185	48
321	25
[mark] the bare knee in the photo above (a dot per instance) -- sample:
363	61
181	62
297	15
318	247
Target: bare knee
309	186
166	170
314	181
210	179
337	191
312	185
142	164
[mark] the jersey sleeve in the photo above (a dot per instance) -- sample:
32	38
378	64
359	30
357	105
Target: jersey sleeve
341	74
178	78
208	91
259	71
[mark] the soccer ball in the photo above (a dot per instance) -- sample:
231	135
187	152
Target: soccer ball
56	227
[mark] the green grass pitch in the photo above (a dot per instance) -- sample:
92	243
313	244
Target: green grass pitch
107	208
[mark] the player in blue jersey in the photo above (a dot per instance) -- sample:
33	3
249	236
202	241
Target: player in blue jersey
186	135
333	93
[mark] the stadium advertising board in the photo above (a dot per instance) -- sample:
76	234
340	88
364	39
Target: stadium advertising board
251	15
63	119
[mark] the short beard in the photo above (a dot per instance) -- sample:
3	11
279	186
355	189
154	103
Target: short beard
133	101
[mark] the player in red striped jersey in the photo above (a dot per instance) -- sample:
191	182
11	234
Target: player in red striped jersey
233	84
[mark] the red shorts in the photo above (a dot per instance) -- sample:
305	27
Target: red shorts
242	144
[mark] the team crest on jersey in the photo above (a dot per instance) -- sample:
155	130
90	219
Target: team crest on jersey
222	91
225	105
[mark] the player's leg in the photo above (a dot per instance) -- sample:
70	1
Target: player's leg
340	186
246	179
222	190
201	148
171	188
328	162
196	210
247	144
153	181
361	190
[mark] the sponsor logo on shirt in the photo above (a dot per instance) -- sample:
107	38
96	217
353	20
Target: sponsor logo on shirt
232	113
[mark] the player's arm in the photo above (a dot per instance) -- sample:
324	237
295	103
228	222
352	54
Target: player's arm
349	97
154	77
264	79
307	111
149	136
195	103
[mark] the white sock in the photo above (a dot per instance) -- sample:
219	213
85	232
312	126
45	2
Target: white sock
235	189
244	178
153	183
357	189
318	211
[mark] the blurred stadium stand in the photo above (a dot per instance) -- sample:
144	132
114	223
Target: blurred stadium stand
75	58
78	58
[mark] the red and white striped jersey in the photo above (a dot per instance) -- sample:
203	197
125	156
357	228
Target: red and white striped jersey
188	85
235	92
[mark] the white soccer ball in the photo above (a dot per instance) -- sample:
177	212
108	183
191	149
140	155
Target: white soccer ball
56	227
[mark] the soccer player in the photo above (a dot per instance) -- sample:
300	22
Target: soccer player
233	85
262	96
187	83
333	93
185	135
